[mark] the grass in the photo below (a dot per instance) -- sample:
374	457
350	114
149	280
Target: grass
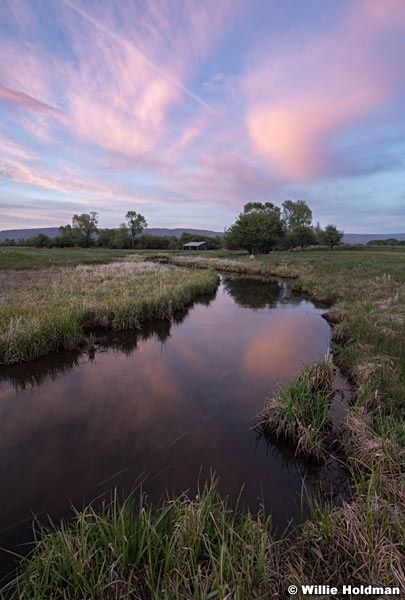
300	410
21	258
191	551
191	548
49	310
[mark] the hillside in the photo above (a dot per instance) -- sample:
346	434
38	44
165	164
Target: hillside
363	238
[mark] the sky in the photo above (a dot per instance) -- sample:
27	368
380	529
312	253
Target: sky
186	110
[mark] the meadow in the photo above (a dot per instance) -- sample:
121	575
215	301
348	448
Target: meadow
201	548
57	308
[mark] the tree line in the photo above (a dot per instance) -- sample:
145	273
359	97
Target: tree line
84	233
263	227
260	228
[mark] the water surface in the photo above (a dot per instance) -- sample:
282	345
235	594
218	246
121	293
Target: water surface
161	406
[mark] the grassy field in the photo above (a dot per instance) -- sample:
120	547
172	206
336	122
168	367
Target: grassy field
198	548
16	258
52	309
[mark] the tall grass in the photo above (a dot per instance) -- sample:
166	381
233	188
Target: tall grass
190	548
300	410
51	309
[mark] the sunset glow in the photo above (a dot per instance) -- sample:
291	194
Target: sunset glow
186	110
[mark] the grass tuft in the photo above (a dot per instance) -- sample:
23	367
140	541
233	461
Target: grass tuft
300	410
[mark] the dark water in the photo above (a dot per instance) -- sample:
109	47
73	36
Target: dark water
162	406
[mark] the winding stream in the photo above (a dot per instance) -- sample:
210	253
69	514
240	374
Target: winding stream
164	406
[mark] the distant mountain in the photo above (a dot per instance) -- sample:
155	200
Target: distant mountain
20	234
363	238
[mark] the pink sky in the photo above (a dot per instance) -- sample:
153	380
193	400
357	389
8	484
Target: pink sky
186	111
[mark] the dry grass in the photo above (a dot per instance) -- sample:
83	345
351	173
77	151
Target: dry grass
48	310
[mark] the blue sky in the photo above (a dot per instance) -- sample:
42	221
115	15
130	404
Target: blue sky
184	111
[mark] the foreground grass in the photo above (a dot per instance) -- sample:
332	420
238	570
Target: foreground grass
200	548
300	410
49	310
189	549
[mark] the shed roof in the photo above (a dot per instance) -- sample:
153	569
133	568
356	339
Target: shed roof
193	244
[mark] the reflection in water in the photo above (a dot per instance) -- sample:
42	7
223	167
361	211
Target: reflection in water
37	372
256	293
163	404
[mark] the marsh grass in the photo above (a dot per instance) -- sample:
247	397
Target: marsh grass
300	409
51	309
229	265
189	548
361	542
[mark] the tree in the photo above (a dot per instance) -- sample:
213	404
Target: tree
296	214
68	237
318	233
302	236
121	238
257	229
331	236
136	224
87	225
39	241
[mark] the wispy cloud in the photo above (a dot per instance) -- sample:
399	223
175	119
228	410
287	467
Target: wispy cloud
302	96
191	110
132	48
26	101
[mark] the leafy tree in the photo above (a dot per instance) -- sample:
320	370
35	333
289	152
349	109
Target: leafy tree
87	225
331	236
122	239
318	233
106	238
301	236
296	214
39	241
68	237
136	224
376	243
257	229
211	243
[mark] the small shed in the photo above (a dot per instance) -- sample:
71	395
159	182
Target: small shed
193	245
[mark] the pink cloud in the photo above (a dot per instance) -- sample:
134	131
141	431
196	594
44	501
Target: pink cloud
69	178
131	67
26	101
301	96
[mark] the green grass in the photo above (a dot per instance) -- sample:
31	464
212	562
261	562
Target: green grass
190	548
12	257
49	310
300	410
